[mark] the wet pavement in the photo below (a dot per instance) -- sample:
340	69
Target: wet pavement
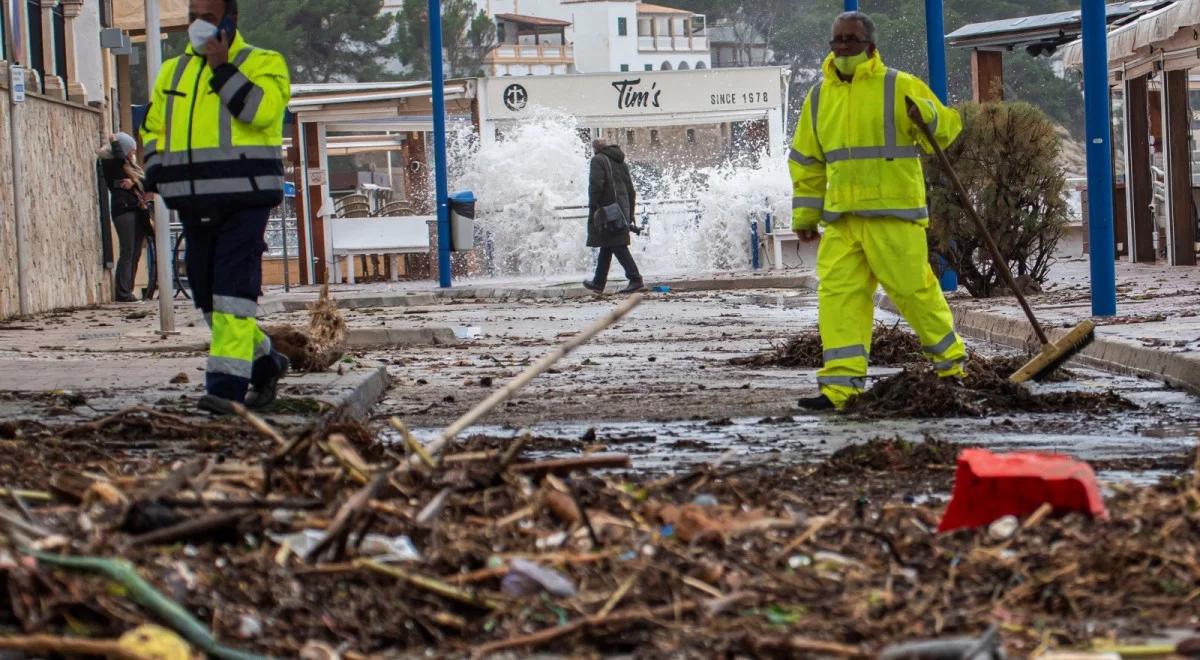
660	386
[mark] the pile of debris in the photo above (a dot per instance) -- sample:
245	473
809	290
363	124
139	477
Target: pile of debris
327	543
918	392
318	347
890	347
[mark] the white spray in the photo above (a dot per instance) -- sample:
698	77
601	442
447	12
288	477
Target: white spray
525	180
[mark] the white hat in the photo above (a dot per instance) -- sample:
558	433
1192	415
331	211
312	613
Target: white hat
128	144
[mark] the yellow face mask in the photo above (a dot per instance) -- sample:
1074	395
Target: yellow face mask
847	65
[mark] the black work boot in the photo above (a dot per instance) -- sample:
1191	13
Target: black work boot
818	403
211	403
593	287
261	396
633	287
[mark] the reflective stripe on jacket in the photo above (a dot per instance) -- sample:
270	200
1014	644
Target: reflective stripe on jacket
856	151
213	138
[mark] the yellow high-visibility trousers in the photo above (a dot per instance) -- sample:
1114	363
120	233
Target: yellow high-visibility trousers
855	256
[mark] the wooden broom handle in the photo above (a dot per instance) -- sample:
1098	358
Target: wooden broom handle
965	200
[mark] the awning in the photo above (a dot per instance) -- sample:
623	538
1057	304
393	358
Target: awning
130	15
533	21
1134	41
647	8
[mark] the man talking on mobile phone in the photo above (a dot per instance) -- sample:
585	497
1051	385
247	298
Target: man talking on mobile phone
213	140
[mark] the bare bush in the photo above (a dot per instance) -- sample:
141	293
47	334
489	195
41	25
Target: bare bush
1007	159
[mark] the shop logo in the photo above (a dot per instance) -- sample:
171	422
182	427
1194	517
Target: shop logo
629	96
515	98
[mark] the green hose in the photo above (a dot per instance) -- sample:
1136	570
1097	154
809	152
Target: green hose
123	573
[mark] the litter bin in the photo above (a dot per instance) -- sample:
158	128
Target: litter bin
462	221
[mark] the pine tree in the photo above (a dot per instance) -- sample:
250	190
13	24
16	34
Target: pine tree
323	40
468	34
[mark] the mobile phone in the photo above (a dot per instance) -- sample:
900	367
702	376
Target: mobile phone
226	29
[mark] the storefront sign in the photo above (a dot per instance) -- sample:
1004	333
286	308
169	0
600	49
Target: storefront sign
644	94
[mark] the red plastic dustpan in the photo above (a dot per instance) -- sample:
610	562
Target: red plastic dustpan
988	486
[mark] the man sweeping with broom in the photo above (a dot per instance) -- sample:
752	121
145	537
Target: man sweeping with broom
856	170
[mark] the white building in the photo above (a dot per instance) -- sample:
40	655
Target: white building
596	36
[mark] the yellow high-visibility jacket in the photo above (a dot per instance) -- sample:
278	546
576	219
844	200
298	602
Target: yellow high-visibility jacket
213	139
856	151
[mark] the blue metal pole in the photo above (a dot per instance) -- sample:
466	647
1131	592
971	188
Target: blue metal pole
1098	111
851	5
935	43
935	37
439	141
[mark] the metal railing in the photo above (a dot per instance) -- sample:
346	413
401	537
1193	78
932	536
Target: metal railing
649	212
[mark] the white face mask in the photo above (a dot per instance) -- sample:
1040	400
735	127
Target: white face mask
199	33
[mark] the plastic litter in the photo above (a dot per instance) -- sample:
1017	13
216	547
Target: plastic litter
986	647
1004	528
376	546
467	332
526	578
989	486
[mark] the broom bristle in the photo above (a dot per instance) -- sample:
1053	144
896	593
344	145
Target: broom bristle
1067	354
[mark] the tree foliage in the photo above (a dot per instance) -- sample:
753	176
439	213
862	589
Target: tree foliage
323	40
1006	158
800	38
468	34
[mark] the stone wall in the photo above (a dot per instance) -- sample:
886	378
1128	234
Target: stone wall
62	230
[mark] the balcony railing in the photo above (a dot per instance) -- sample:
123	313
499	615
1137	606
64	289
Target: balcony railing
673	44
531	54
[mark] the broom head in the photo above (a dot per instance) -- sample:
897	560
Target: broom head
1056	354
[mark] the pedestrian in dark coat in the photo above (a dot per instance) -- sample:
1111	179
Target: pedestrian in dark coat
609	182
124	179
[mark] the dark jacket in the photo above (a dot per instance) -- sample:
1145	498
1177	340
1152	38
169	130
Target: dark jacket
123	201
604	189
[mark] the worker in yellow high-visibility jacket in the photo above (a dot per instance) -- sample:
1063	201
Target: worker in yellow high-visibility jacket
213	139
856	173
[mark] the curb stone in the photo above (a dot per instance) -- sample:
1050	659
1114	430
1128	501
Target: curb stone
385	337
356	392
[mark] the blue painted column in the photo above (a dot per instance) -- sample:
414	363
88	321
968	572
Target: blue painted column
851	5
935	45
1098	109
439	141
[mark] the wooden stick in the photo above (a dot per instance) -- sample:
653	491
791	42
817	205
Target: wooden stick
435	506
258	423
565	465
533	371
809	533
11	518
412	443
615	599
184	503
515	448
37	495
349	458
68	645
189	529
551	634
432	585
177	479
339	529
